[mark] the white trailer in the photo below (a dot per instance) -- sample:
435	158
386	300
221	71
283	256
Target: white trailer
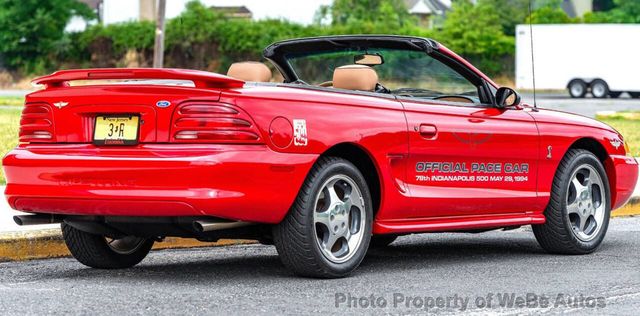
601	59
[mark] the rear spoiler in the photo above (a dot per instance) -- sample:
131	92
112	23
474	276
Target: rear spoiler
201	79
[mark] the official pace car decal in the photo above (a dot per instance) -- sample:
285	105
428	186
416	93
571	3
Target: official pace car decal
430	171
300	132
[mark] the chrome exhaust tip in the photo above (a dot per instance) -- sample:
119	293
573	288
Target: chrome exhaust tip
207	226
37	219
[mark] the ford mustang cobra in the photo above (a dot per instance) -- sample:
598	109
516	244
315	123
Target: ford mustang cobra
354	140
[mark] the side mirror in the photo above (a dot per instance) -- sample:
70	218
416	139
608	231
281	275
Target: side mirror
506	97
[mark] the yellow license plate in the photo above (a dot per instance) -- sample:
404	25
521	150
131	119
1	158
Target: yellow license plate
116	130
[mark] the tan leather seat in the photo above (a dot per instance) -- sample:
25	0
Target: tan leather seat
355	77
250	71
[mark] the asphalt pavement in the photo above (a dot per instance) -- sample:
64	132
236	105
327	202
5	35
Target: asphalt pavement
495	272
490	273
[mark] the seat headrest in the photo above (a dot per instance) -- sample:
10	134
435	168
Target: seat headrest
355	77
250	71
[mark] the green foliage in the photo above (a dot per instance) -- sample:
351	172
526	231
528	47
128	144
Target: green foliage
31	31
474	32
549	12
122	36
391	13
202	38
550	15
196	24
510	13
624	11
628	124
9	122
11	101
203	35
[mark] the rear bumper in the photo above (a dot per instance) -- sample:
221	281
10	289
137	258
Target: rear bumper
240	182
623	180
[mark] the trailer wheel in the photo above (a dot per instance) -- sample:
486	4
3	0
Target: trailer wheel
599	89
577	88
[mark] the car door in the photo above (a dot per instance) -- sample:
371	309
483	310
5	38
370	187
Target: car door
466	156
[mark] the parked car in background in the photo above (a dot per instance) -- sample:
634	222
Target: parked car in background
596	59
368	138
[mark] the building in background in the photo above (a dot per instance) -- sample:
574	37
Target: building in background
430	13
577	8
235	12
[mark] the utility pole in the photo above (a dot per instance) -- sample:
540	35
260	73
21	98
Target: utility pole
158	48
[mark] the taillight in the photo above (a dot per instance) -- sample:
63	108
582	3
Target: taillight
204	122
36	124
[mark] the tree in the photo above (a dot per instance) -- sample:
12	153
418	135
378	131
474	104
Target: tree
510	13
602	5
475	32
549	15
392	13
624	11
550	12
31	30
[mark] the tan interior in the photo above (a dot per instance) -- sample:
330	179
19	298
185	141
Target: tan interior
355	77
250	71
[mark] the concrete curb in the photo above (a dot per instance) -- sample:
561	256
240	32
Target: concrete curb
632	208
48	243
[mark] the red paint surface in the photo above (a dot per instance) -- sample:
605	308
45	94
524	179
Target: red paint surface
244	166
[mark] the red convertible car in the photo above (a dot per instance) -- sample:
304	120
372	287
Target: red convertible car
354	141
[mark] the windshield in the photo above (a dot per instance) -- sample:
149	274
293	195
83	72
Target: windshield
403	72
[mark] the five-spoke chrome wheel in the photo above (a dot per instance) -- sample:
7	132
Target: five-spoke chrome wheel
586	202
327	231
577	215
339	218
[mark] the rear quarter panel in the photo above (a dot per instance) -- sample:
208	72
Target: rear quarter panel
376	125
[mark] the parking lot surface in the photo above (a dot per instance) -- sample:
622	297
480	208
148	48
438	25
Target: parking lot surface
411	276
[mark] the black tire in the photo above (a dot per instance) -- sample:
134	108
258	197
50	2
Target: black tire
95	252
556	235
599	89
577	88
615	94
634	95
295	237
381	241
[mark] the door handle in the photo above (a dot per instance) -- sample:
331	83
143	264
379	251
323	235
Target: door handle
428	131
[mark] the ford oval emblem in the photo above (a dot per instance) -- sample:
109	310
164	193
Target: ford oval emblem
163	104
